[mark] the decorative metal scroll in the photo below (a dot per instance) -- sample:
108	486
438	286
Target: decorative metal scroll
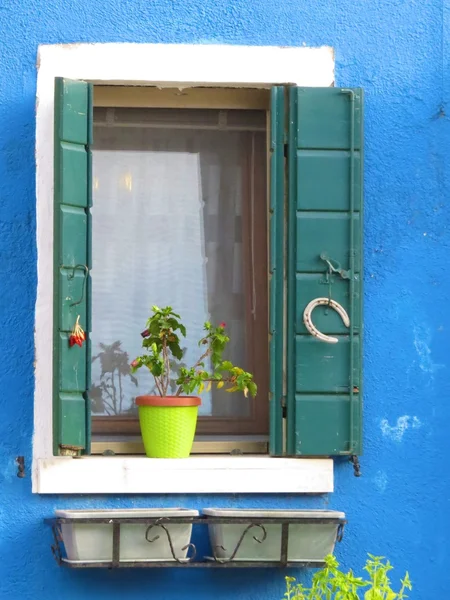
169	539
241	539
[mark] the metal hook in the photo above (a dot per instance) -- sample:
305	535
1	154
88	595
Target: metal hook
340	532
72	275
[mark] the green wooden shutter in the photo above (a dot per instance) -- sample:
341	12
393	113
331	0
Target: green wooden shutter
72	199
324	221
276	268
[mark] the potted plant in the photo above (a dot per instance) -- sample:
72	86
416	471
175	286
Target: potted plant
333	584
168	422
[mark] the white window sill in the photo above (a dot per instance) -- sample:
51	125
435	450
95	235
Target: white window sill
196	475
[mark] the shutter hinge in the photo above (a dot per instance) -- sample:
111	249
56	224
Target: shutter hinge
69	450
356	466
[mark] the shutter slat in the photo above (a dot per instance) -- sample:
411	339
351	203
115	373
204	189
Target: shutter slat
72	182
324	381
73	159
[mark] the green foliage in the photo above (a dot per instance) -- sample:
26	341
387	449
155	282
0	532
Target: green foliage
162	342
332	584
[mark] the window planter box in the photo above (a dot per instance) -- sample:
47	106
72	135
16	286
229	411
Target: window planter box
113	531
93	541
311	534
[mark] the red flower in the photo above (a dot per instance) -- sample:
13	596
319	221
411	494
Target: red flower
135	363
145	333
222	325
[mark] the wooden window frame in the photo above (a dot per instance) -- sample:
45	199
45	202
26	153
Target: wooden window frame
257	423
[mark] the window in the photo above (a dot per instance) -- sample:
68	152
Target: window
189	182
179	216
313	173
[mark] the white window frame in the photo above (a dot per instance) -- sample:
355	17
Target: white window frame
165	66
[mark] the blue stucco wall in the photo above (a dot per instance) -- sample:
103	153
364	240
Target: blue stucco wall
397	51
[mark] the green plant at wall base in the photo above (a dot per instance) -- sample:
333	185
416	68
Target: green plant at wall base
162	341
332	584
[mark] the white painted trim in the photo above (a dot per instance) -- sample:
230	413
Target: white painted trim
186	65
201	474
144	64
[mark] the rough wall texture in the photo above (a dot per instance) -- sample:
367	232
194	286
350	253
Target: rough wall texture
397	51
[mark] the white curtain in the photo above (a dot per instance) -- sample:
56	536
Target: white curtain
167	230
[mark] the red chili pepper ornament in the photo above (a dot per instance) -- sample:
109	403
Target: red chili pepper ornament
77	336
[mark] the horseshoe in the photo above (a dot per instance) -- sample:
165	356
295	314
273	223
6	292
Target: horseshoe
313	329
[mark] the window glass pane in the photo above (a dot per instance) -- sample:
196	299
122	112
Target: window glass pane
167	229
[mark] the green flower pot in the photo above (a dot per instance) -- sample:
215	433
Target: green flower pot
168	425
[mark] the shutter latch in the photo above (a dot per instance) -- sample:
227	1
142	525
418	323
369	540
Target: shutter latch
20	462
334	266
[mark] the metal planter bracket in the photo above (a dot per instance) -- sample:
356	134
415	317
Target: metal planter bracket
257	528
